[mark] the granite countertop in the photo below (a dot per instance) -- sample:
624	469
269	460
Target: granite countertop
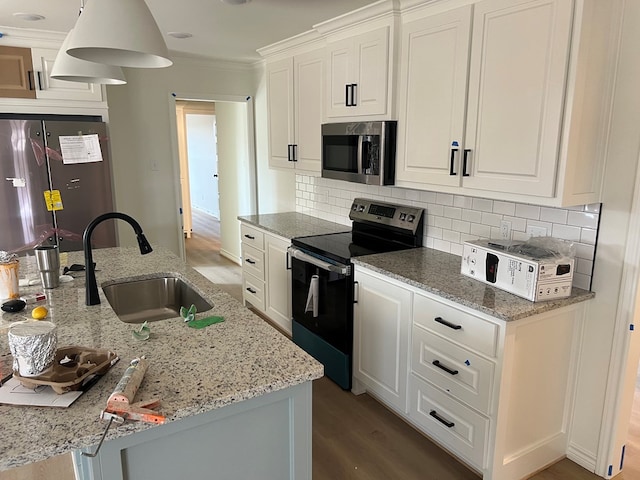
439	273
190	370
294	224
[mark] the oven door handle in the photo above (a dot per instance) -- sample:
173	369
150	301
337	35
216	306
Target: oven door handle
316	262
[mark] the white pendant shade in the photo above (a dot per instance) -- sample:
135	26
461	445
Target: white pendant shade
119	32
73	69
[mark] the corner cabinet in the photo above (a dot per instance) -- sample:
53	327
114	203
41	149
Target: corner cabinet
358	75
294	103
507	99
266	278
495	394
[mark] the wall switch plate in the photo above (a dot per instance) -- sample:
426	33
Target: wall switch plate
505	230
536	231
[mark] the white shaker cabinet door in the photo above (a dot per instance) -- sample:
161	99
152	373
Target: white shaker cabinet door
51	88
381	339
309	82
517	77
280	112
277	281
433	86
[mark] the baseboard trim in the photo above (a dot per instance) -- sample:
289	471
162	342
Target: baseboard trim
230	256
582	457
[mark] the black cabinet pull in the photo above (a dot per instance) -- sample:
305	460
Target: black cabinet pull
249	261
289	153
465	157
40	81
446	423
294	149
354	96
250	237
447	324
30	79
356	288
452	161
442	367
287	261
251	290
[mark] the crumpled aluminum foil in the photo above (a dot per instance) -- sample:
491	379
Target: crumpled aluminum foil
33	346
6	257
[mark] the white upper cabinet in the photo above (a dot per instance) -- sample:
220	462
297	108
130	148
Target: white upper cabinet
507	99
294	97
435	54
50	88
358	75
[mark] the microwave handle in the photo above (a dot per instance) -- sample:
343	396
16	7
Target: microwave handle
359	154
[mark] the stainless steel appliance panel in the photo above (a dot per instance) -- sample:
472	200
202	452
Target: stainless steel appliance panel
24	219
85	188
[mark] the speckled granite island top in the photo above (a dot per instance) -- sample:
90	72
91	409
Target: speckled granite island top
294	224
439	273
190	370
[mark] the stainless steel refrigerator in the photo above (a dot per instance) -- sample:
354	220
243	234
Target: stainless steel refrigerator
34	167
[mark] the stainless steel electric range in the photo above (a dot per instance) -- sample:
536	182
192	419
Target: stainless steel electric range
322	278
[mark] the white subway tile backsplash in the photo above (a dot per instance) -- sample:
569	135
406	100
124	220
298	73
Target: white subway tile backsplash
588	236
453	219
504	208
527	211
453	212
444	199
566	232
482	204
583	219
473	216
553	215
461	201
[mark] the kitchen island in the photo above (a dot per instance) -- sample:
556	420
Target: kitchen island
236	394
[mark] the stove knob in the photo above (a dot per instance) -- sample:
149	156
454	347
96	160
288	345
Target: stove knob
361	208
354	207
411	218
403	217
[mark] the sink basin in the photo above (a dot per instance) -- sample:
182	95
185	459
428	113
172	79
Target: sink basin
152	299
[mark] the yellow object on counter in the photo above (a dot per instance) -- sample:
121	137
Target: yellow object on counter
39	312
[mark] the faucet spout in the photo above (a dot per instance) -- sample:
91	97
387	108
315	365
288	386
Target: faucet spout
92	297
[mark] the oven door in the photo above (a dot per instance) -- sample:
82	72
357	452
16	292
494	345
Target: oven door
322	308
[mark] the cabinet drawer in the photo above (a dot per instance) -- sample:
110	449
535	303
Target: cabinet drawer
252	236
448	422
253	261
253	291
467	376
456	325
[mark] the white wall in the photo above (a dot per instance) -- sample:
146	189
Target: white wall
233	168
145	178
203	162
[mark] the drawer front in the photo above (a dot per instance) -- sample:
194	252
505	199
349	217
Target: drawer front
458	326
252	236
253	291
448	422
253	261
465	375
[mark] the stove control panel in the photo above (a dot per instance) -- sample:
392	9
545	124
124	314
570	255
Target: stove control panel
373	211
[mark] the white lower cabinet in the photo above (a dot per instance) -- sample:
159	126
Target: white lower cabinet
265	275
382	318
496	394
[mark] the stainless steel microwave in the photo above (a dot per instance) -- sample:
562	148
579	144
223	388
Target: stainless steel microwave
361	152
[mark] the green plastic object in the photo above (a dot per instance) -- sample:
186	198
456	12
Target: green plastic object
188	315
205	322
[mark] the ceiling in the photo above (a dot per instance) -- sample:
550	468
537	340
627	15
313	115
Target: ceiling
220	30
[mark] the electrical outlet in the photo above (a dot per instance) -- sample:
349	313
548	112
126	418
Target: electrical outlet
505	230
536	231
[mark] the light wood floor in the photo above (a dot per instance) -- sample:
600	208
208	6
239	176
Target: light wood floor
354	437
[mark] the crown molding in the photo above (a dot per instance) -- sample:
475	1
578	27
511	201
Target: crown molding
31	38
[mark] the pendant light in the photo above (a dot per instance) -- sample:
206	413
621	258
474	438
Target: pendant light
73	69
119	32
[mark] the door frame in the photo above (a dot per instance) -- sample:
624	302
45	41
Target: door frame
248	100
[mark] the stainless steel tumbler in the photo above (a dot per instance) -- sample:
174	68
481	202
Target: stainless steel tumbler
48	261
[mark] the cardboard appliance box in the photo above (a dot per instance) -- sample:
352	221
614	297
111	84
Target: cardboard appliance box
525	275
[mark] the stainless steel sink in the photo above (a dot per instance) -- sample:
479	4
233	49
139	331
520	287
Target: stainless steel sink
152	299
